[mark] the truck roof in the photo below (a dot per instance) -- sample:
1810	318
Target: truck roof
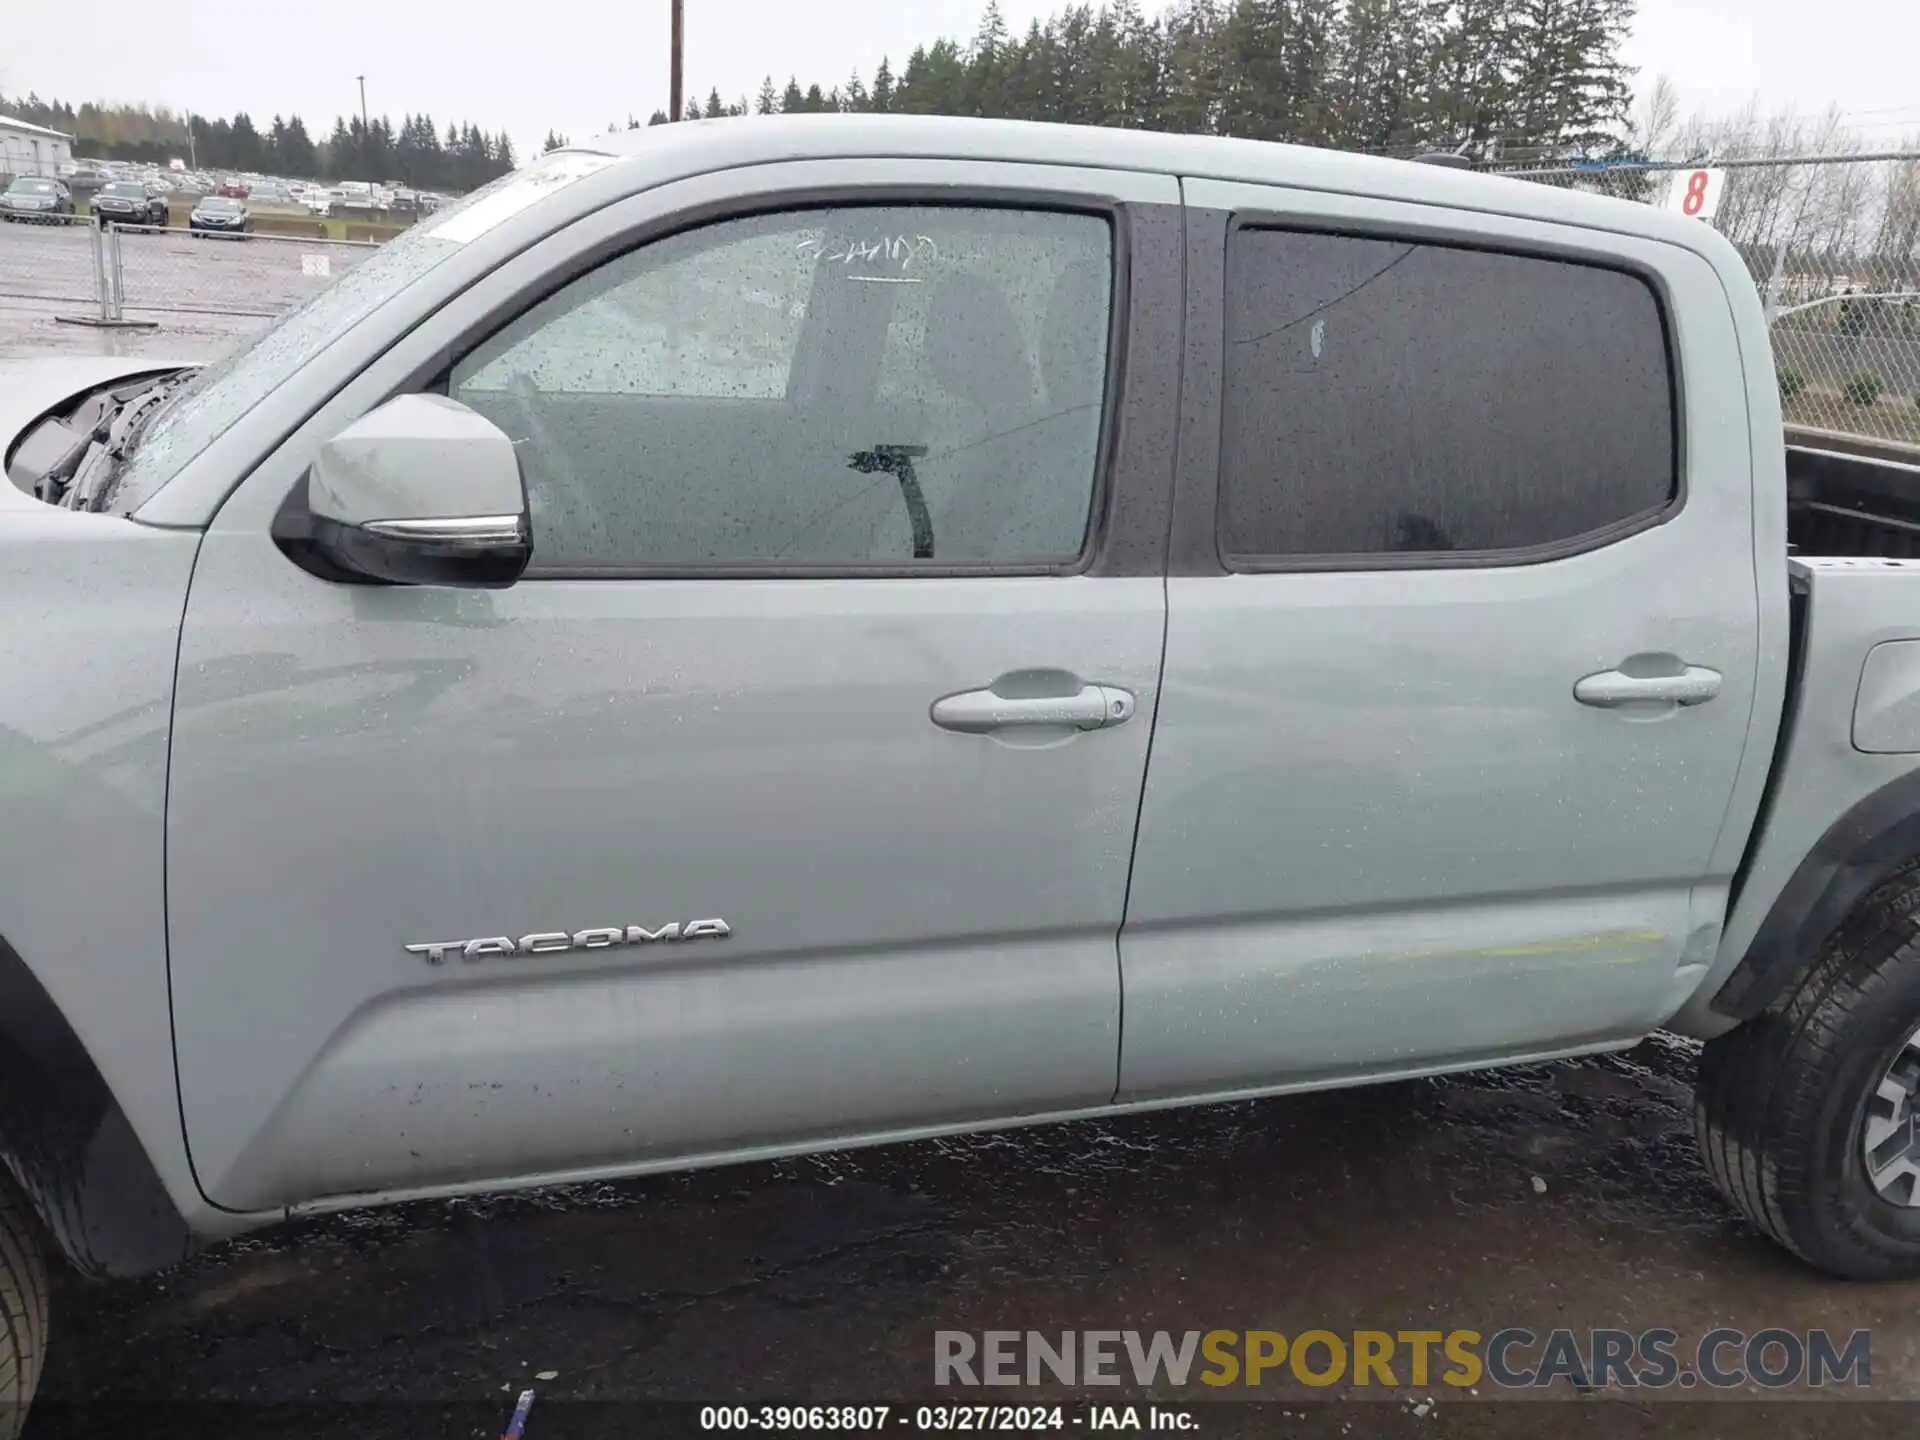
696	145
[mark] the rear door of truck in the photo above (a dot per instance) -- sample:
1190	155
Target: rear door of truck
1461	645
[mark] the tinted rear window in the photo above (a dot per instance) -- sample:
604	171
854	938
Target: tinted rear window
1386	397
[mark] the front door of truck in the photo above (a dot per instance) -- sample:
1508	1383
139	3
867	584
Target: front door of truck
791	795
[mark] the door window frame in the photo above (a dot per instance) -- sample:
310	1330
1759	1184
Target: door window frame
1197	546
1131	484
1112	213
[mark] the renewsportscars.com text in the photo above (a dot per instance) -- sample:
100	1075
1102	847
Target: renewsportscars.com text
1510	1358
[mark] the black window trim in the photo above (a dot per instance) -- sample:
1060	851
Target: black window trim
1120	216
1453	237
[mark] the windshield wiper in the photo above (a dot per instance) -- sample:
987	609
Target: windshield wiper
98	474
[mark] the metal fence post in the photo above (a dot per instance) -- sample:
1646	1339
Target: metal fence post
108	283
100	266
116	272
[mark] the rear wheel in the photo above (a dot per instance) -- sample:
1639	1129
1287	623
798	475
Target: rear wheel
1808	1115
23	1312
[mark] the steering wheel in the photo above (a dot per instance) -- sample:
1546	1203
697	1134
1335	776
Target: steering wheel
556	469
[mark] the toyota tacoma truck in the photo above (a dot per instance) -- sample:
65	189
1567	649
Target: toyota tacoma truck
784	634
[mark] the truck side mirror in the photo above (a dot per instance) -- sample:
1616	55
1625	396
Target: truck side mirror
422	491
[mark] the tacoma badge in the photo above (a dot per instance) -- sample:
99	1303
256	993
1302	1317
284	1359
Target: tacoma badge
552	942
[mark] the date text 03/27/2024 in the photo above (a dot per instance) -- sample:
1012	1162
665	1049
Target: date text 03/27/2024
943	1418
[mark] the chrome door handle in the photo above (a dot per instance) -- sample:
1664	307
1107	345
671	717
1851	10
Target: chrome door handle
1610	689
979	712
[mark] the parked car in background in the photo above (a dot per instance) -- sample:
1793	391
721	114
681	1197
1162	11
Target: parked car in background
34	197
129	202
220	215
353	197
317	200
233	189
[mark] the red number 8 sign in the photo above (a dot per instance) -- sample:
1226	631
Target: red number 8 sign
1696	196
1696	193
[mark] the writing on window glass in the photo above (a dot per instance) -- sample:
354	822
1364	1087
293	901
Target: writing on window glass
883	258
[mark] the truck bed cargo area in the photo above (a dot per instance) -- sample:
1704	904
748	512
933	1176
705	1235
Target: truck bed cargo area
1852	497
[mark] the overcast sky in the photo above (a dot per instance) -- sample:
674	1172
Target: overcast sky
574	65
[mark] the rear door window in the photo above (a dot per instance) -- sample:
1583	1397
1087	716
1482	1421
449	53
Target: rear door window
1401	400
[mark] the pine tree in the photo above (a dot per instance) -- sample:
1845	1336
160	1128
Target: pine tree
1470	62
297	151
792	101
935	82
988	61
1375	86
249	151
1568	89
768	101
881	100
340	152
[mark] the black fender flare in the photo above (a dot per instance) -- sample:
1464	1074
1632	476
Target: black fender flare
1861	851
68	1145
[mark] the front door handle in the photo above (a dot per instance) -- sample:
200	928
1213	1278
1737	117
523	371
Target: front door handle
1610	689
980	712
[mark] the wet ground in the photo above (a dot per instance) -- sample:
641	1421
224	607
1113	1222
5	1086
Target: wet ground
1561	1195
1566	1195
32	327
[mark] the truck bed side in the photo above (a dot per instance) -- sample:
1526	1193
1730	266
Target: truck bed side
1842	808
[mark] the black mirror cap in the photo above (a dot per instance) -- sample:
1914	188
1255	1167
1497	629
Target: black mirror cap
422	559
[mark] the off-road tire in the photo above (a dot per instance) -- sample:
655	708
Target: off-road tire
23	1311
1780	1103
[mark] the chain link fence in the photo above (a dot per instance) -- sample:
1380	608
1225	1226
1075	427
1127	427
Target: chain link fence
48	260
134	271
167	271
1833	243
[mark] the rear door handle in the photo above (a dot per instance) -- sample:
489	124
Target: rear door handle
1610	689
980	712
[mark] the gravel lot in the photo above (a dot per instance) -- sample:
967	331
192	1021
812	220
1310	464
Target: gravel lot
1561	1195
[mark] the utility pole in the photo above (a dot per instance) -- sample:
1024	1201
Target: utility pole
679	37
366	133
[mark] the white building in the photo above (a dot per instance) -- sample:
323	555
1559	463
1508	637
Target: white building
32	149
